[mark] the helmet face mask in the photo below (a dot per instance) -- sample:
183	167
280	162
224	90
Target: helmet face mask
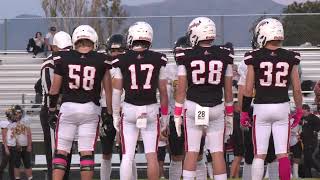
85	32
201	29
268	29
115	45
140	34
180	45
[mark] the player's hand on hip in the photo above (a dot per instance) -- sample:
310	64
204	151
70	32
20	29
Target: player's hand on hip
245	120
297	117
116	122
178	123
52	119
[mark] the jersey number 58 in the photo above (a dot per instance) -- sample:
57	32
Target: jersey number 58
87	73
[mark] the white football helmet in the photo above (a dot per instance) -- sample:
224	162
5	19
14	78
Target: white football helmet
139	31
62	40
268	30
200	29
85	32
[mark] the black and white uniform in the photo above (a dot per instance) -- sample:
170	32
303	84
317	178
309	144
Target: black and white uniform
205	69
272	70
81	88
140	73
46	75
247	135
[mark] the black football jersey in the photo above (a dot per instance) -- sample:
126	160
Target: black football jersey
140	72
82	75
272	71
206	68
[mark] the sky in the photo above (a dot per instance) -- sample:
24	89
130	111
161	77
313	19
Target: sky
13	8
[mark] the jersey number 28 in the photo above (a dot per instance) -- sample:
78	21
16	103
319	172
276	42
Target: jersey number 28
88	75
215	71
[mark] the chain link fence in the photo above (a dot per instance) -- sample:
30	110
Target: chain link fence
299	28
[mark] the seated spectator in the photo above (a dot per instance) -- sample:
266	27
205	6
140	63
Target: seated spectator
18	141
49	39
36	44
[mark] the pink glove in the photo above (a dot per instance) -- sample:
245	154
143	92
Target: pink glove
297	117
245	120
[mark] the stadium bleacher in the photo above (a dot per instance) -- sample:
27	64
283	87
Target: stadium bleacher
19	71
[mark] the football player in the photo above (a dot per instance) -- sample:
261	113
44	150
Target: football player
270	71
115	45
79	73
206	70
61	42
272	165
176	142
140	72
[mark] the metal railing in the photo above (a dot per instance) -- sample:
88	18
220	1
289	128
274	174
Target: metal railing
233	28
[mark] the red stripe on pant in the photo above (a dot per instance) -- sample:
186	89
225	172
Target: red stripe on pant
158	132
254	140
185	130
57	128
123	145
97	133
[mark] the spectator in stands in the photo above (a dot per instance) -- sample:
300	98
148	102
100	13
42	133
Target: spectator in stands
36	44
49	39
18	140
309	136
5	152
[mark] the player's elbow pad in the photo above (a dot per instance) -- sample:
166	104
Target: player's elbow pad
116	100
246	103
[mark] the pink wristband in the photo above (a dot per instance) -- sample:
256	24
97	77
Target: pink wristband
164	110
177	111
229	109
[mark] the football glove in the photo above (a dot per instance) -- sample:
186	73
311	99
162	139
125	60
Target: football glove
116	122
229	125
178	123
245	120
297	117
107	120
164	122
52	119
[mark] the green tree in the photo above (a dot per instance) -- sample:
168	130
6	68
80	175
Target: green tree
304	28
110	9
114	12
